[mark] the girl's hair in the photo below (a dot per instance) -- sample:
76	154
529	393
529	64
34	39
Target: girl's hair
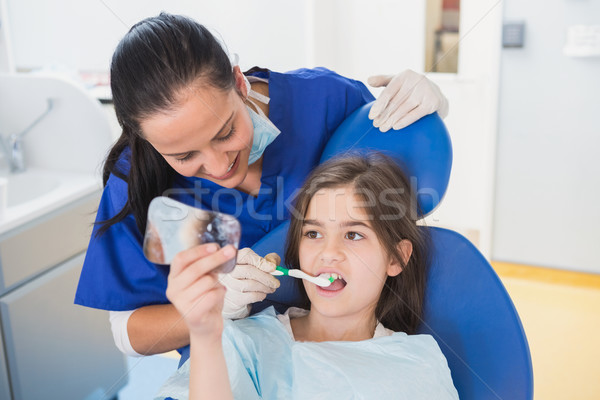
156	61
392	211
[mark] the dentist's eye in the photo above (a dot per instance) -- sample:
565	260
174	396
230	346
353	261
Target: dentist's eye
228	136
185	158
354	236
313	235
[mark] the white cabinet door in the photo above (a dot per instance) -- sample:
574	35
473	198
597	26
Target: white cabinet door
55	349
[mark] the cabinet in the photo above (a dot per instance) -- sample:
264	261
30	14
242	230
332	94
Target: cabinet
54	349
4	383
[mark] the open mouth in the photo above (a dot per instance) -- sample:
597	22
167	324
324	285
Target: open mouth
338	284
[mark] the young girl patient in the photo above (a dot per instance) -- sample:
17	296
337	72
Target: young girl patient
354	220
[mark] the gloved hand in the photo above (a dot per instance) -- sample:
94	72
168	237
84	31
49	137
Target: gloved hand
407	97
249	282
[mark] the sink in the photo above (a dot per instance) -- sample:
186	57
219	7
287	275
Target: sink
39	191
26	186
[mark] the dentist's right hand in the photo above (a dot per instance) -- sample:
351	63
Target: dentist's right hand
193	288
249	282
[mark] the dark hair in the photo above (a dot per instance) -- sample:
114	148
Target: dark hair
156	60
387	198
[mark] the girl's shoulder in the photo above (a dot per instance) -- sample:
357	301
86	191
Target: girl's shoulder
264	318
261	332
422	347
425	341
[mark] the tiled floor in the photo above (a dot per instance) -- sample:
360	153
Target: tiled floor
560	312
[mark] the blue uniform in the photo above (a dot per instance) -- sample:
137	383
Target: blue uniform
307	105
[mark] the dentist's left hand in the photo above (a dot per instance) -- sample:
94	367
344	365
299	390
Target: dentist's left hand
407	97
194	289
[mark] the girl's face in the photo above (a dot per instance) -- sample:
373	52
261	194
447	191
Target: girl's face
208	134
337	237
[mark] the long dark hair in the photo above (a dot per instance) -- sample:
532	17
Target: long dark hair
387	198
156	60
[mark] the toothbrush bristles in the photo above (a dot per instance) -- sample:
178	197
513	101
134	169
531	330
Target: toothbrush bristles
331	279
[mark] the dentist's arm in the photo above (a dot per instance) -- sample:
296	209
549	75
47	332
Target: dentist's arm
157	329
160	328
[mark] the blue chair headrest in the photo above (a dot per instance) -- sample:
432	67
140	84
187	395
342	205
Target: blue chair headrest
422	149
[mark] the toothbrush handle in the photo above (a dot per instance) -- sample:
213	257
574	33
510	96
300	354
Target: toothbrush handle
279	271
295	273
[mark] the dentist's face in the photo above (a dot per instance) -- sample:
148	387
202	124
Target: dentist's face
207	134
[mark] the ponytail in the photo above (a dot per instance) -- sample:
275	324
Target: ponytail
147	178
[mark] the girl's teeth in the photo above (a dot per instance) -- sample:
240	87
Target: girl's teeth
333	275
231	166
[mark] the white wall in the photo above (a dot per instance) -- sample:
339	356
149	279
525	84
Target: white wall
472	93
548	173
82	34
360	38
6	53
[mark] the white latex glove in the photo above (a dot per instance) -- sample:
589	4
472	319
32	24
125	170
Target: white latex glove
249	282
407	97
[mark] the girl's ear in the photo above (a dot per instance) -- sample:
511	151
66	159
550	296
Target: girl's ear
240	82
405	249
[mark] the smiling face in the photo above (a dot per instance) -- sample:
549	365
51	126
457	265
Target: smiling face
207	134
337	237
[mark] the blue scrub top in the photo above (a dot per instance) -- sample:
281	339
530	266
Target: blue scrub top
307	105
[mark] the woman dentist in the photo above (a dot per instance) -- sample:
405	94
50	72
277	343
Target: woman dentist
197	129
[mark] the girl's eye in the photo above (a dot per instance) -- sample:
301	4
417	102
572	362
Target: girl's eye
185	158
354	236
313	235
228	136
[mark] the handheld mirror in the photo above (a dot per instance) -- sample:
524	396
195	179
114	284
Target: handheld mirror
173	227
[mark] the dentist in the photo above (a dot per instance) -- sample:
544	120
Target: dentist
195	128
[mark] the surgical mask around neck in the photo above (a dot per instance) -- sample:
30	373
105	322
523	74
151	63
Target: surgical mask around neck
265	131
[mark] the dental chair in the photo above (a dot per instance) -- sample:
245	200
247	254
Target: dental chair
467	309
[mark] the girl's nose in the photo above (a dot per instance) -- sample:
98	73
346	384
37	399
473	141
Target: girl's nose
332	251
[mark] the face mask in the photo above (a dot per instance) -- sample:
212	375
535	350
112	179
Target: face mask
264	130
264	134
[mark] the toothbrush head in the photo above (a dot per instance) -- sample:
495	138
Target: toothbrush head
296	273
323	282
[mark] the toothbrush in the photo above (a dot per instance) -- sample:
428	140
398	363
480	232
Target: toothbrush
296	273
